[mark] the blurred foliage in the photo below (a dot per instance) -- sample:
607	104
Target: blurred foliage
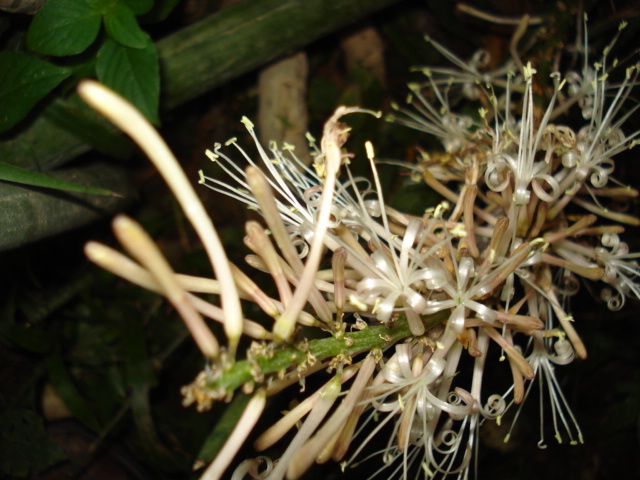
65	37
116	356
42	57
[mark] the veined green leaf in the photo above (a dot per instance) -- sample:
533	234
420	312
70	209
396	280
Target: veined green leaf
134	73
19	175
24	81
122	26
64	27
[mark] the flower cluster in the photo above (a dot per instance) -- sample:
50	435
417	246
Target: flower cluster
413	310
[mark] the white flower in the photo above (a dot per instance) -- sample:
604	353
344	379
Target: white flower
603	138
470	74
461	292
400	277
524	167
453	130
621	270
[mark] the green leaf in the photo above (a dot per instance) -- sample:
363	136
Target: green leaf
24	81
63	384
24	443
28	214
122	26
161	10
134	73
25	177
140	379
139	7
75	117
64	27
27	337
224	427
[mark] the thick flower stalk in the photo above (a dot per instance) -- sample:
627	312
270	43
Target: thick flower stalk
400	303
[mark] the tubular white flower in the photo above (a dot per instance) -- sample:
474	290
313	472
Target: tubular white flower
621	269
453	130
245	424
133	123
524	168
460	294
598	142
469	74
399	278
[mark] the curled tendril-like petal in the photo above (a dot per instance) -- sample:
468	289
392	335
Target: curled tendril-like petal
252	467
610	273
373	207
498	179
446	446
390	455
456	320
569	285
612	241
600	175
541	192
432	275
614	302
495	406
299	241
456	411
312	196
620	267
570	159
496	175
432	370
564	352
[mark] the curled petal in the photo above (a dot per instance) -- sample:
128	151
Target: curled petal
384	309
434	278
497	175
541	193
432	370
403	352
456	320
614	302
384	264
483	312
564	352
570	159
414	300
465	271
494	407
600	176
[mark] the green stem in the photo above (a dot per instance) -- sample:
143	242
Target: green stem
352	343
